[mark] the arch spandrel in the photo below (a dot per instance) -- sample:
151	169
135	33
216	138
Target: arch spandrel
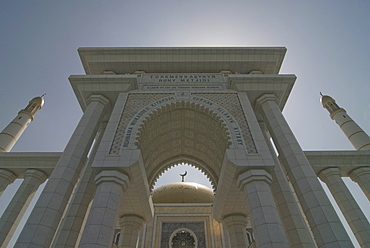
189	127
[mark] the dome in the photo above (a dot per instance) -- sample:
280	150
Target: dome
183	192
325	99
38	100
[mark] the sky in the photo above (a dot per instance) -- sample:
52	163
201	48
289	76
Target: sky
327	41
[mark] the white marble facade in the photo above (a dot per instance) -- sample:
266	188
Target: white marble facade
149	109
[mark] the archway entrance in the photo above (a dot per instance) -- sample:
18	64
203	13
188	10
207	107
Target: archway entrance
183	132
183	239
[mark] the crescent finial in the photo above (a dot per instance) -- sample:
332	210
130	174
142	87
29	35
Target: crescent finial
183	176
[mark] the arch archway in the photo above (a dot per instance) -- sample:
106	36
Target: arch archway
183	132
183	238
174	174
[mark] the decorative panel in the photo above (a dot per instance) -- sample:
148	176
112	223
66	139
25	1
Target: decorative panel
169	228
231	103
134	103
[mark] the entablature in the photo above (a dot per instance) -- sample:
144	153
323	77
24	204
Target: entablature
127	60
346	161
19	162
257	85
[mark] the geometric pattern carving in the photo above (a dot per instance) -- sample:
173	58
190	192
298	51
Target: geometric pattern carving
186	132
196	227
231	103
228	101
134	103
182	131
183	210
183	239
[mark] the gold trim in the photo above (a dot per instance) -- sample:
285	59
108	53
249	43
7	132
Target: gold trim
349	137
336	112
25	112
17	123
9	135
345	123
363	146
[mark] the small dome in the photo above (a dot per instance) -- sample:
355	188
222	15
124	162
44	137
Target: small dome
38	100
183	192
325	99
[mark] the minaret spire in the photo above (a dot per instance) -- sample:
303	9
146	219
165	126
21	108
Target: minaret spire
11	133
358	138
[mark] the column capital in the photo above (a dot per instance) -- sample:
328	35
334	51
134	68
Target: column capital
100	99
361	176
41	176
252	176
265	98
359	172
327	172
132	220
7	175
234	219
347	204
112	176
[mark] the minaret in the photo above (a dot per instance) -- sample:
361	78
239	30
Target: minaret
12	132
359	139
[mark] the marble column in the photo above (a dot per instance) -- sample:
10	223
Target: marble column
19	203
362	177
71	226
102	219
294	223
267	227
6	178
320	214
355	217
43	222
130	228
235	226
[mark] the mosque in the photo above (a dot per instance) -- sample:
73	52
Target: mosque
148	109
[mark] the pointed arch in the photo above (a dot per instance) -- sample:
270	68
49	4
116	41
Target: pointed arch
183	132
179	129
